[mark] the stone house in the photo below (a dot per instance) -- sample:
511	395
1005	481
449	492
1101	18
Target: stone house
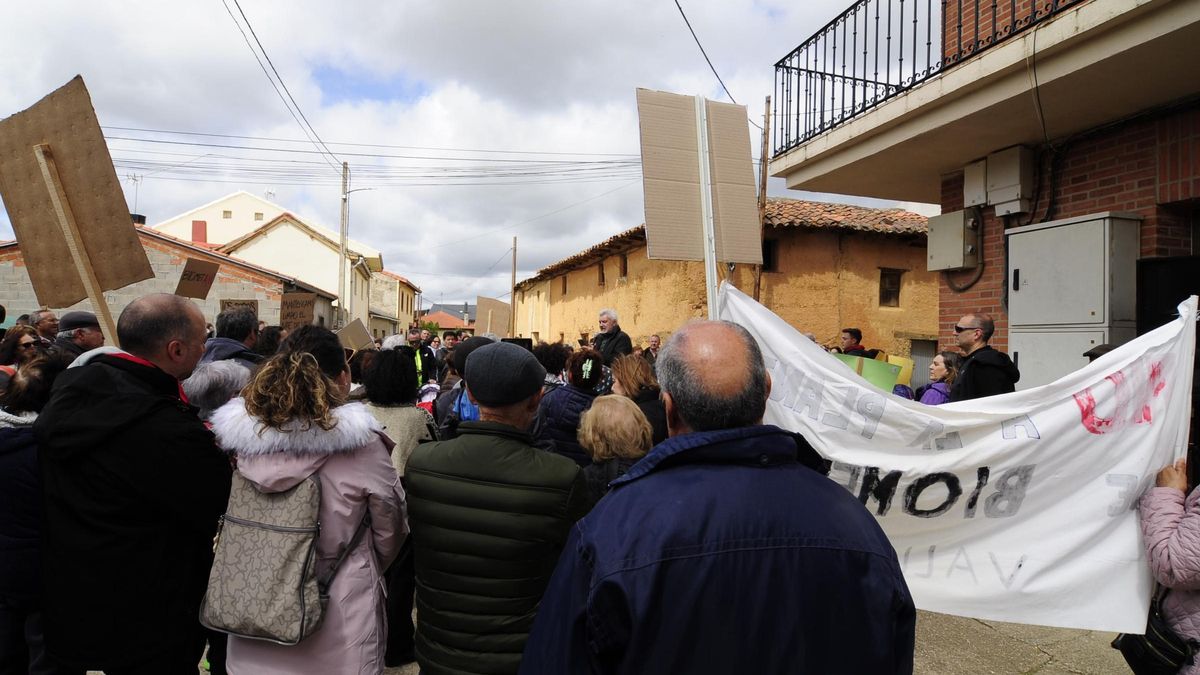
826	267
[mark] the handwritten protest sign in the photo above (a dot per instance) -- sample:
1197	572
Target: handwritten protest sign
197	278
296	310
66	205
1019	507
227	304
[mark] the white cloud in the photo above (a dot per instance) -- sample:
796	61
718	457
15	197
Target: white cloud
531	76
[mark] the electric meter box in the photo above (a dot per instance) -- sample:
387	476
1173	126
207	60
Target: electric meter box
952	241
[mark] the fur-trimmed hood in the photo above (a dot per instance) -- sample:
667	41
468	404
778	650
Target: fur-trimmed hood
277	459
239	432
16	420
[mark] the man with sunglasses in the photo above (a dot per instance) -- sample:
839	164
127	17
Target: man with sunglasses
984	371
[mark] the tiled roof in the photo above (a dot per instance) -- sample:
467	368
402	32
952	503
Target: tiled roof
397	277
801	213
445	321
780	213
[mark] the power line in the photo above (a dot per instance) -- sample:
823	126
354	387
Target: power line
304	126
708	60
374	145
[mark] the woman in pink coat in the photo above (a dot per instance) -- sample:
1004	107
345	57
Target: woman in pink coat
293	422
1171	526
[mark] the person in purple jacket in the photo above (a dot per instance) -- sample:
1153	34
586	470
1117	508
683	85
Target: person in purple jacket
1170	517
942	372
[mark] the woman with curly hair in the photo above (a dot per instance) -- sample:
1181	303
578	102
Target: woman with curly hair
293	422
20	344
561	408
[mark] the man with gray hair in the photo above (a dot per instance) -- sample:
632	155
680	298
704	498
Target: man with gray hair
734	527
611	341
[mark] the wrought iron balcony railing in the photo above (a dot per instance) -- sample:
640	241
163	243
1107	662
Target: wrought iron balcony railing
877	49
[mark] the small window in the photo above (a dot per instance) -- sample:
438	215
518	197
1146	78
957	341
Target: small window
770	255
227	214
889	287
600	270
623	262
564	284
258	215
536	337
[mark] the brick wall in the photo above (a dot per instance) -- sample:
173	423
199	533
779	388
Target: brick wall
1149	166
167	261
967	32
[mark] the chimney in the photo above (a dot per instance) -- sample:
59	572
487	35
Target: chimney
200	231
137	218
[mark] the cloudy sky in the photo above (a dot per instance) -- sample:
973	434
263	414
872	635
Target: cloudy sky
464	123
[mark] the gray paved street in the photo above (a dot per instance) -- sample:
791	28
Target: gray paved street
950	645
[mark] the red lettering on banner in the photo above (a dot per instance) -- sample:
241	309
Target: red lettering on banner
1123	396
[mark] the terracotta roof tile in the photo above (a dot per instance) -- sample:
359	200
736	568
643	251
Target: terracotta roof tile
780	213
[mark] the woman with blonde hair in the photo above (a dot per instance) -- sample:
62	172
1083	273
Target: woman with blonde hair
634	379
616	433
293	422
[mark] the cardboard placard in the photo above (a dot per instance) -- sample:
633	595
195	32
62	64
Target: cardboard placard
197	278
66	122
227	304
296	310
671	179
492	316
355	336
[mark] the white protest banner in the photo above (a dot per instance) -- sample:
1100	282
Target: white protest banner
1019	507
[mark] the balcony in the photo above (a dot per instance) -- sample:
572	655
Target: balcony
892	94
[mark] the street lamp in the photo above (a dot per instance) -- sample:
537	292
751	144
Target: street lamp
342	314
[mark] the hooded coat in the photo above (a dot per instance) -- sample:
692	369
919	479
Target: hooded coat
20	510
1171	529
984	372
134	486
357	479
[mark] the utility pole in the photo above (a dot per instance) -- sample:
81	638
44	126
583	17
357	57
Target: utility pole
762	191
512	296
341	322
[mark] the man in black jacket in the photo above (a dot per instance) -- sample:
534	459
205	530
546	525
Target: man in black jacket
984	371
134	486
611	341
489	514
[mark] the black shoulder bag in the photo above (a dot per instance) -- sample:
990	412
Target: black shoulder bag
1160	651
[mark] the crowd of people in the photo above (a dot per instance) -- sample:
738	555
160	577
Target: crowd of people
595	508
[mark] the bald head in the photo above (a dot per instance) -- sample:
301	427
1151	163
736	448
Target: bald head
166	330
713	375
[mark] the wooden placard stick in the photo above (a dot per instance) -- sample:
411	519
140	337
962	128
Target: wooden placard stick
70	230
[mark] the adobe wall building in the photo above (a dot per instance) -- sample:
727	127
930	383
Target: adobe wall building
827	266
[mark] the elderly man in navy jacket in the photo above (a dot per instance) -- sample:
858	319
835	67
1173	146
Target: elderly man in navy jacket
720	551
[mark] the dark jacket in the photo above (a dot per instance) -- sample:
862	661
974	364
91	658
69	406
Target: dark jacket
20	512
984	372
558	421
613	344
221	349
598	476
652	407
134	486
759	565
489	515
66	349
428	361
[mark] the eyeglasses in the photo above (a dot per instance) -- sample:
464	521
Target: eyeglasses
27	345
959	329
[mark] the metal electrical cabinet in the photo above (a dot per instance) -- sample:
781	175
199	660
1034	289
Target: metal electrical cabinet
1071	286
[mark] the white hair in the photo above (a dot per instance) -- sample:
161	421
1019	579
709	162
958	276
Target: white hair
393	341
610	313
